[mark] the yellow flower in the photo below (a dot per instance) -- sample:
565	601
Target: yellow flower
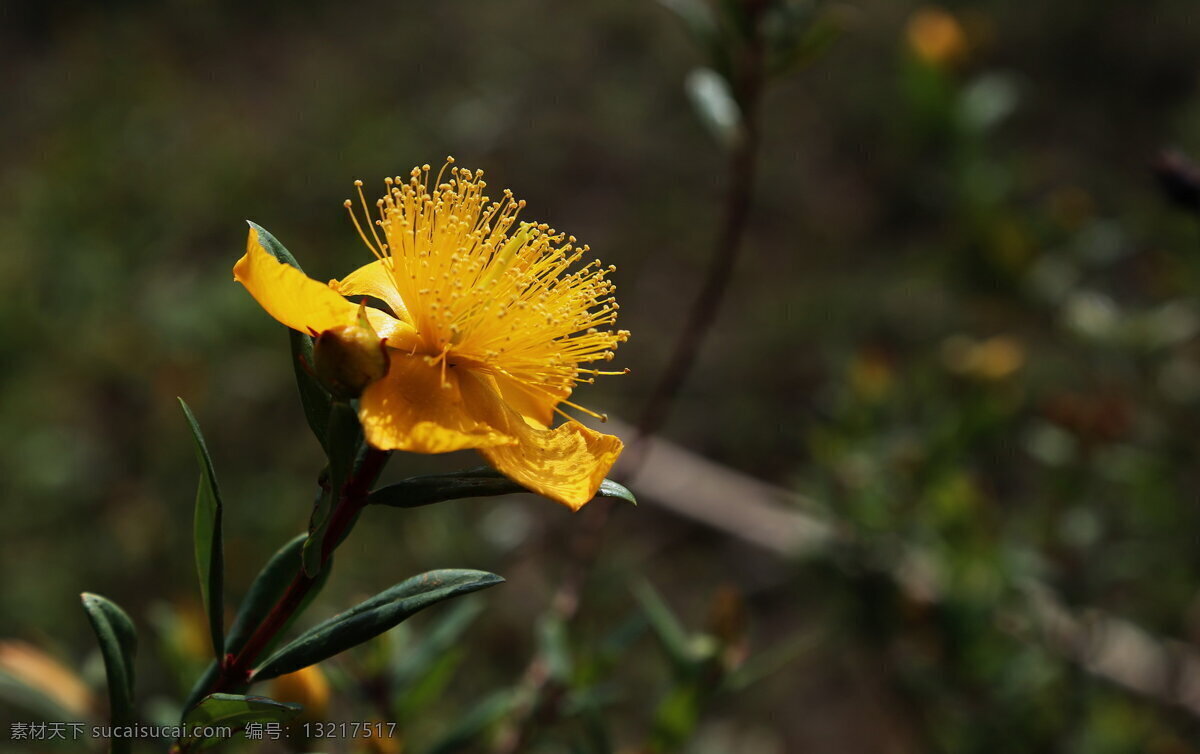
488	329
936	37
307	687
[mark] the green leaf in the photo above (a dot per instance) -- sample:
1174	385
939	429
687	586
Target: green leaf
477	720
676	718
420	673
554	648
118	645
416	661
482	481
671	634
344	442
772	660
272	245
207	536
715	104
233	711
266	590
609	488
314	398
796	37
373	617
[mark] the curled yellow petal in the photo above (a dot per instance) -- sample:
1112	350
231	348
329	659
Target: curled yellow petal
287	294
375	280
304	304
566	464
419	407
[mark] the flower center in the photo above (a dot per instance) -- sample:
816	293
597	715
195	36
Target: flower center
487	292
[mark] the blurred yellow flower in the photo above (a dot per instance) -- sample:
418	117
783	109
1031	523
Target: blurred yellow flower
307	687
994	358
488	329
936	37
28	665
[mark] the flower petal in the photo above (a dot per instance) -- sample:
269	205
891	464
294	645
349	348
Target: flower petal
304	304
399	335
411	409
288	294
566	464
374	279
533	403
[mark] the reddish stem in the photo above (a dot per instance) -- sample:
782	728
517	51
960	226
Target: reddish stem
353	497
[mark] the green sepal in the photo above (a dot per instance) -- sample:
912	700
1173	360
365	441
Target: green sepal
118	645
345	443
207	537
482	481
373	617
314	398
233	711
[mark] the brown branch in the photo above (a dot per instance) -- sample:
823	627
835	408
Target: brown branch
542	696
727	248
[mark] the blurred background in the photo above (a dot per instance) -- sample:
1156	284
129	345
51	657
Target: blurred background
961	341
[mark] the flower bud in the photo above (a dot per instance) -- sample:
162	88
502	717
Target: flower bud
348	358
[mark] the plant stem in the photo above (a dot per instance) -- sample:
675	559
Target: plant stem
542	697
727	247
351	500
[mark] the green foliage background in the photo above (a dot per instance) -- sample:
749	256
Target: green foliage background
905	213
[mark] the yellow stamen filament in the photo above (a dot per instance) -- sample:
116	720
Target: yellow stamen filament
488	292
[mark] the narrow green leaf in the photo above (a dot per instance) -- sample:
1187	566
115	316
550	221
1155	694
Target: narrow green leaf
482	481
609	488
477	720
344	443
233	711
118	645
200	687
373	617
416	661
272	245
207	536
421	672
772	660
671	635
266	590
554	648
314	398
796	39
